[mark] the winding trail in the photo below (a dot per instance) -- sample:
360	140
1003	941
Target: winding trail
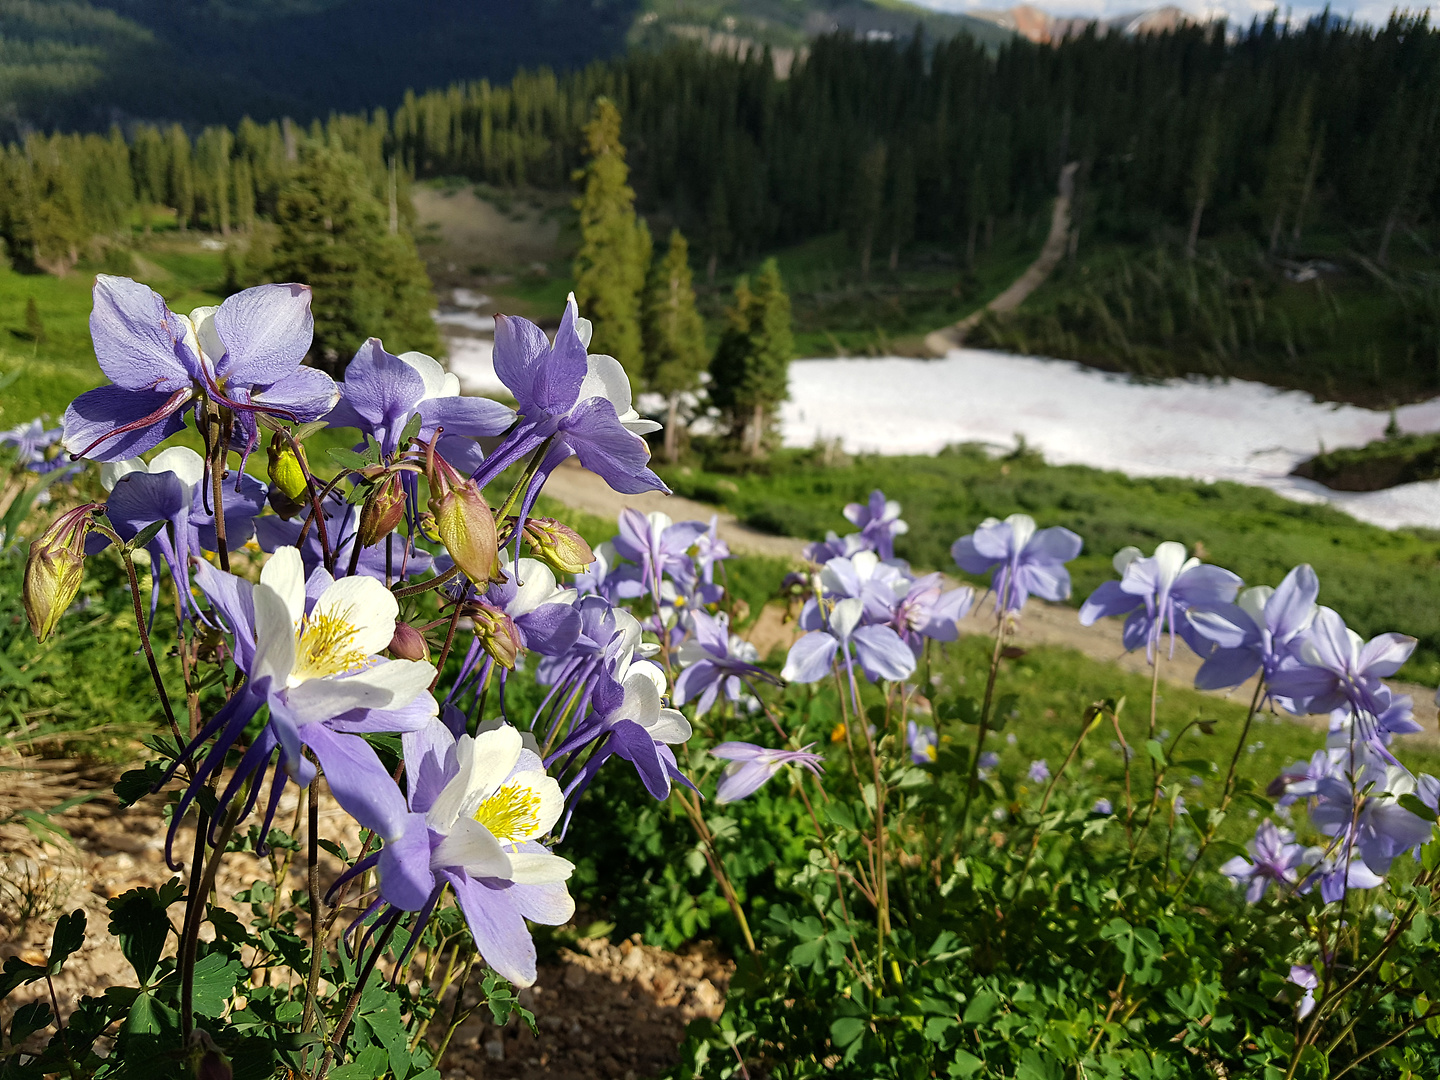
1042	624
941	341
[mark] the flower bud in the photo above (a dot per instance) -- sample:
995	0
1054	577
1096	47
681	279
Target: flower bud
382	510
287	468
426	522
558	546
462	518
210	1062
495	631
408	643
54	570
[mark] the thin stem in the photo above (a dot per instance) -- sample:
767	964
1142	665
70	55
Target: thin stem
338	1039
445	650
1430	1015
457	1016
717	868
983	729
318	515
195	911
312	982
217	493
426	586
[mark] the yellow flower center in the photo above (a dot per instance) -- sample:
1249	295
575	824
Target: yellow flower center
327	646
512	813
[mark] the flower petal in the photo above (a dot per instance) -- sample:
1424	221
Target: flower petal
266	331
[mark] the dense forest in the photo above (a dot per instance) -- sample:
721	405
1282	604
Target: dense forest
1304	141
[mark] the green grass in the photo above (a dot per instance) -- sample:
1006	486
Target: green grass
1378	580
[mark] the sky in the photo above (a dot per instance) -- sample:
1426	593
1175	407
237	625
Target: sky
1237	11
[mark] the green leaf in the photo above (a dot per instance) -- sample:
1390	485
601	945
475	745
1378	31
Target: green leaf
368	1064
29	1018
981	1008
138	919
17	973
965	1065
135	784
144	536
215	978
347	459
412	428
1156	750
846	1030
1411	802
69	935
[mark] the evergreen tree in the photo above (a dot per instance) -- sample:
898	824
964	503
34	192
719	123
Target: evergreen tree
614	254
34	325
674	335
334	237
750	375
867	201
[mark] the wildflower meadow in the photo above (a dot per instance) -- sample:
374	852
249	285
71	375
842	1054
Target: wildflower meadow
508	716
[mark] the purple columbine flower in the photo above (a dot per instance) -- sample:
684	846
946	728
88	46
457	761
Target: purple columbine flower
988	760
570	403
392	559
878	521
37	447
929	612
710	550
1020	560
716	661
879	585
315	666
543	609
1274	858
879	650
1335	667
751	766
1103	807
244	355
835	546
922	743
171	489
1155	593
477	810
1039	771
1303	976
1257	632
382	392
658	546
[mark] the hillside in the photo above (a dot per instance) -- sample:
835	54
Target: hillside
85	64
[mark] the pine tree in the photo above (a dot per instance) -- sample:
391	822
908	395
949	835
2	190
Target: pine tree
614	254
674	335
334	237
750	375
34	325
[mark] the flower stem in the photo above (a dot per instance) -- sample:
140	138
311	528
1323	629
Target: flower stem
717	868
353	1002
217	492
195	907
426	586
984	726
312	982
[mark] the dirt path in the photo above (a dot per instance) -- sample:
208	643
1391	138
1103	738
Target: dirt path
1042	623
952	337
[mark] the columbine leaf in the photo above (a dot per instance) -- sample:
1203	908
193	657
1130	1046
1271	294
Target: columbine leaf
145	535
138	919
348	459
135	784
29	1019
17	973
1411	802
69	935
412	428
846	1030
215	979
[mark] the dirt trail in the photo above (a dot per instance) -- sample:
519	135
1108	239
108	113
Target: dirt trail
942	341
1042	623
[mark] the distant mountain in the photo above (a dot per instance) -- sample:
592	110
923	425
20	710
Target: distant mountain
89	63
1038	25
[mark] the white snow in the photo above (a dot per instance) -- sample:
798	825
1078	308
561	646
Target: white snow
1235	430
472	362
469	320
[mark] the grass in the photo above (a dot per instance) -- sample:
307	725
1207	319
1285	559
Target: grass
1377	579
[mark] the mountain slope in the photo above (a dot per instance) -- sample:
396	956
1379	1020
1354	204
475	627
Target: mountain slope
88	63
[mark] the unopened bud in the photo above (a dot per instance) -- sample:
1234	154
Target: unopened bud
495	631
54	570
382	510
408	643
287	468
210	1062
558	546
462	518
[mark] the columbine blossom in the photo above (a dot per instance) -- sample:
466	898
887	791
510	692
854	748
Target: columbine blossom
171	489
1335	667
878	521
244	355
751	766
1274	858
922	743
1039	771
570	403
393	558
930	612
477	810
1303	976
716	661
1258	632
1155	593
382	392
878	649
315	666
658	546
863	576
37	447
1020	560
543	610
